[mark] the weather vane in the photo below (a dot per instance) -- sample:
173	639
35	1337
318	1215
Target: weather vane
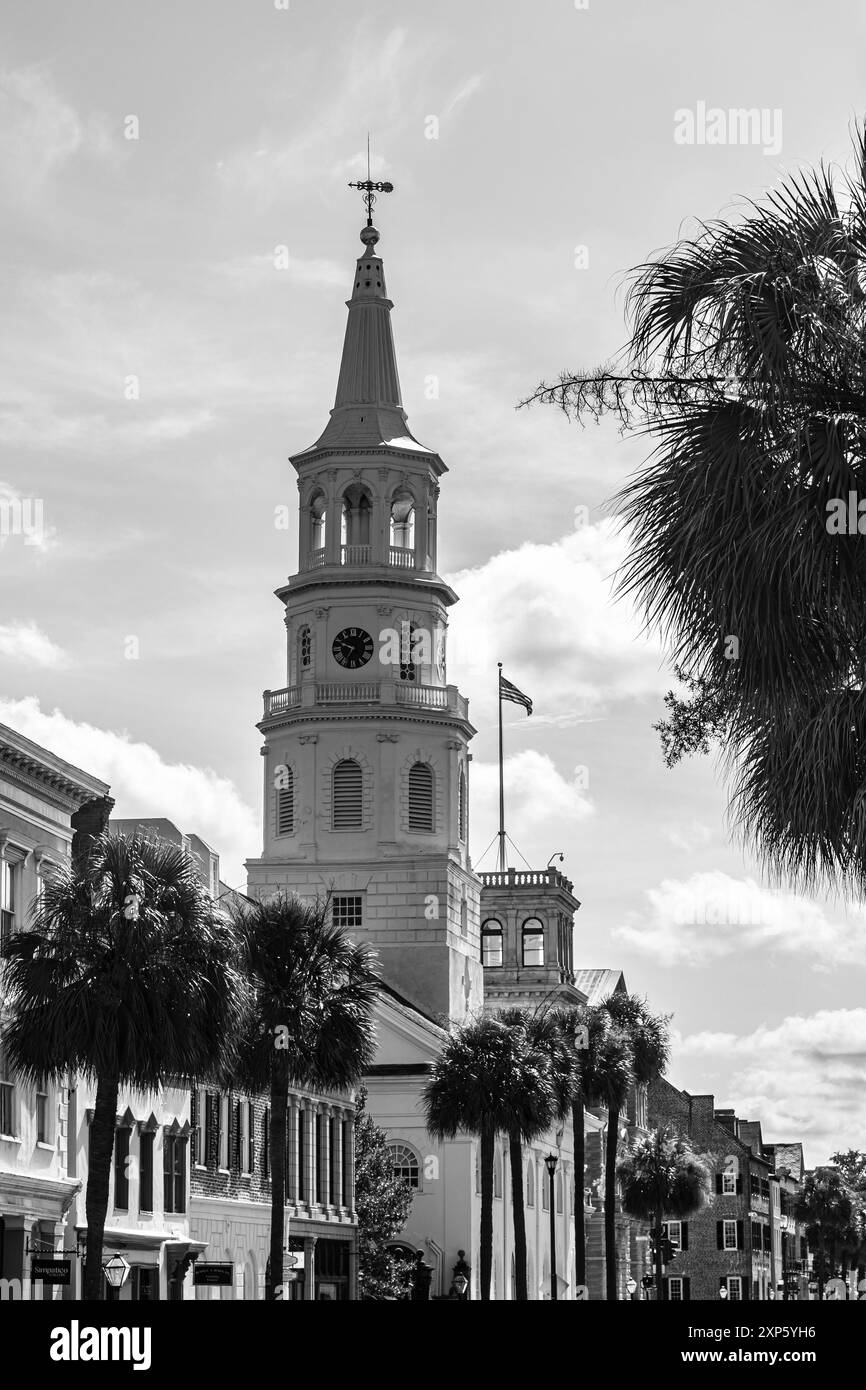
369	188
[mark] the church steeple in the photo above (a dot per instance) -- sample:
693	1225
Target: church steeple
368	408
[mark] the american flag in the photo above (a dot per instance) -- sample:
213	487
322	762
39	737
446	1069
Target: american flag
507	691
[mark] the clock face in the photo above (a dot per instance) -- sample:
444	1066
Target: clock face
352	647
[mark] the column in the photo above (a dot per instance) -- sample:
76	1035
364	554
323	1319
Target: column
310	1154
333	523
309	1269
353	1269
337	1141
349	1161
421	531
325	1156
16	1264
292	1155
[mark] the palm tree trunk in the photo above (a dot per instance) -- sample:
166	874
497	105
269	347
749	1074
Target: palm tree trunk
661	1288
486	1253
515	1153
279	1106
100	1151
579	1138
610	1205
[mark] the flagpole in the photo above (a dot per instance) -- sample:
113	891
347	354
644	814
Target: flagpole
501	784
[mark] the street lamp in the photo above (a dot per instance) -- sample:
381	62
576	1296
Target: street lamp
550	1164
723	1291
115	1270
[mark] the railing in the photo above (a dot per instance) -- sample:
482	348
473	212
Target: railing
315	559
402	556
430	696
277	700
523	878
366	692
356	554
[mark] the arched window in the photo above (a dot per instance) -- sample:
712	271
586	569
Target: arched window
318	509
404	1164
403	521
348	795
285	800
497	1174
533	942
545	1191
305	648
491	942
422	793
530	1183
461	805
356	512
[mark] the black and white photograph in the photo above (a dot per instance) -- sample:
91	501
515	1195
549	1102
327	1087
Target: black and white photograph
432	672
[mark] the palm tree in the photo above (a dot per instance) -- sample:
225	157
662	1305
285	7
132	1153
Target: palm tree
602	1077
747	366
485	1076
309	1023
649	1040
531	1112
129	976
663	1176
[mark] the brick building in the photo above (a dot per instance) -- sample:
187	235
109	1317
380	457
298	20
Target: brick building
735	1241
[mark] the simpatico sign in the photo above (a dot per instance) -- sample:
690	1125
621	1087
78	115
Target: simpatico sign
213	1274
50	1271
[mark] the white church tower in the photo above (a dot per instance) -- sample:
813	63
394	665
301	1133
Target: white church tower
366	762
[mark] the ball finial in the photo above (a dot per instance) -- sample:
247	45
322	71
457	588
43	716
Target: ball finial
369	236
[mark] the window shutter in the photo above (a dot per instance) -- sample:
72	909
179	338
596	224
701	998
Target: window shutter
745	1289
718	1184
684	1237
720	1235
348	792
687	1292
251	1132
286	804
739	1184
740	1245
421	798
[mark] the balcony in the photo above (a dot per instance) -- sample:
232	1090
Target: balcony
402	557
396	557
525	878
355	554
313	695
315	559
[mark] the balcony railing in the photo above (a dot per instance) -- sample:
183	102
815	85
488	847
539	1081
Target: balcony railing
356	554
524	878
308	696
315	559
402	557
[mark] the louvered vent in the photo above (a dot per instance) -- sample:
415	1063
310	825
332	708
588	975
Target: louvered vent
286	804
421	798
348	789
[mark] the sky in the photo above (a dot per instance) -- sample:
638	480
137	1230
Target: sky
178	245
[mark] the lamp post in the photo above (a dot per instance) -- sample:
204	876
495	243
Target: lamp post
550	1164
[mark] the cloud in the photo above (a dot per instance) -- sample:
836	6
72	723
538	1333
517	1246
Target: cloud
688	837
543	806
196	799
803	1079
710	916
261	271
462	93
548	613
40	131
27	645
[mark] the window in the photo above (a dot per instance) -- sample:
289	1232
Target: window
729	1183
285	800
768	1238
729	1235
347	910
174	1172
302	1155
461	805
674	1232
121	1170
404	1164
250	1131
42	1123
421	798
224	1115
212	1127
735	1290
318	507
675	1290
199	1108
8	1117
559	1192
317	1166
544	1179
407	651
8	887
754	1185
491	942
533	942
237	1143
348	793
530	1184
145	1194
765	1188
305	648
